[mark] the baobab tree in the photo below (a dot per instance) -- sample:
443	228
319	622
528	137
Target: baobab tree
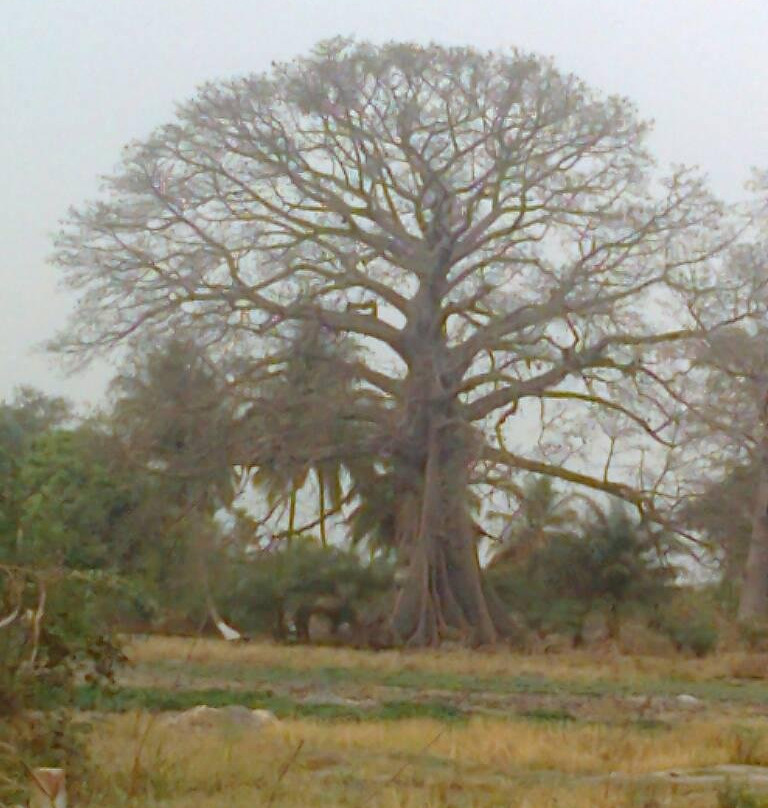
483	228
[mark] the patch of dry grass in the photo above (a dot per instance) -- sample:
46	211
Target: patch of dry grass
483	763
582	666
749	666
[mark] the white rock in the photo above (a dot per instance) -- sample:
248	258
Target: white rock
206	717
333	700
263	717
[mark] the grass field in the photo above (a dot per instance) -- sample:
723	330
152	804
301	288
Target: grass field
451	728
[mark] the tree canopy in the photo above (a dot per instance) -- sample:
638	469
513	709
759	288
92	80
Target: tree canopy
483	231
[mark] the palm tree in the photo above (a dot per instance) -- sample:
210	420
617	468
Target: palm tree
543	514
308	422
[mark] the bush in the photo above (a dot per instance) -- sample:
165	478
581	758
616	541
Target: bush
700	637
637	638
40	668
689	619
739	796
610	569
278	590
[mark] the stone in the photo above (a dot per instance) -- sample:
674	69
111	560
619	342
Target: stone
205	717
334	700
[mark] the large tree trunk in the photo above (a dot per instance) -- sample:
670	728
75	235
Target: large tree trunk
443	596
753	603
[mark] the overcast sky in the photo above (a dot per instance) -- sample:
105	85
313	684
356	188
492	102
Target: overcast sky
80	78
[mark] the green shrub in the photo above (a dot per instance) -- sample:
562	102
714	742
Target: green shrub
689	619
699	637
739	796
610	568
268	592
38	677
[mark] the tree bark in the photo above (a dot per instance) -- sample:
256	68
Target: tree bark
753	602
443	596
321	505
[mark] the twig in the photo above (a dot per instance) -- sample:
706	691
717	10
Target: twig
14	589
27	768
31	772
283	771
37	619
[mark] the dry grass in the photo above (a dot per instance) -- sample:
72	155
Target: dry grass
484	763
581	666
749	666
480	763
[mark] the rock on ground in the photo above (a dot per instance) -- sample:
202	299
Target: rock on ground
686	700
206	717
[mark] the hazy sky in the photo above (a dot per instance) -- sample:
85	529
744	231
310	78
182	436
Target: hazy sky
79	78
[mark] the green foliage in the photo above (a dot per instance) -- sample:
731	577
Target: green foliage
173	416
262	593
73	499
61	500
699	636
689	619
40	670
610	566
72	638
543	514
723	513
733	795
23	419
181	434
316	377
81	507
314	418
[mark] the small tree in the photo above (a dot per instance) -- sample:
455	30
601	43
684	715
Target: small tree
723	512
174	416
543	514
727	423
56	507
23	419
311	418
